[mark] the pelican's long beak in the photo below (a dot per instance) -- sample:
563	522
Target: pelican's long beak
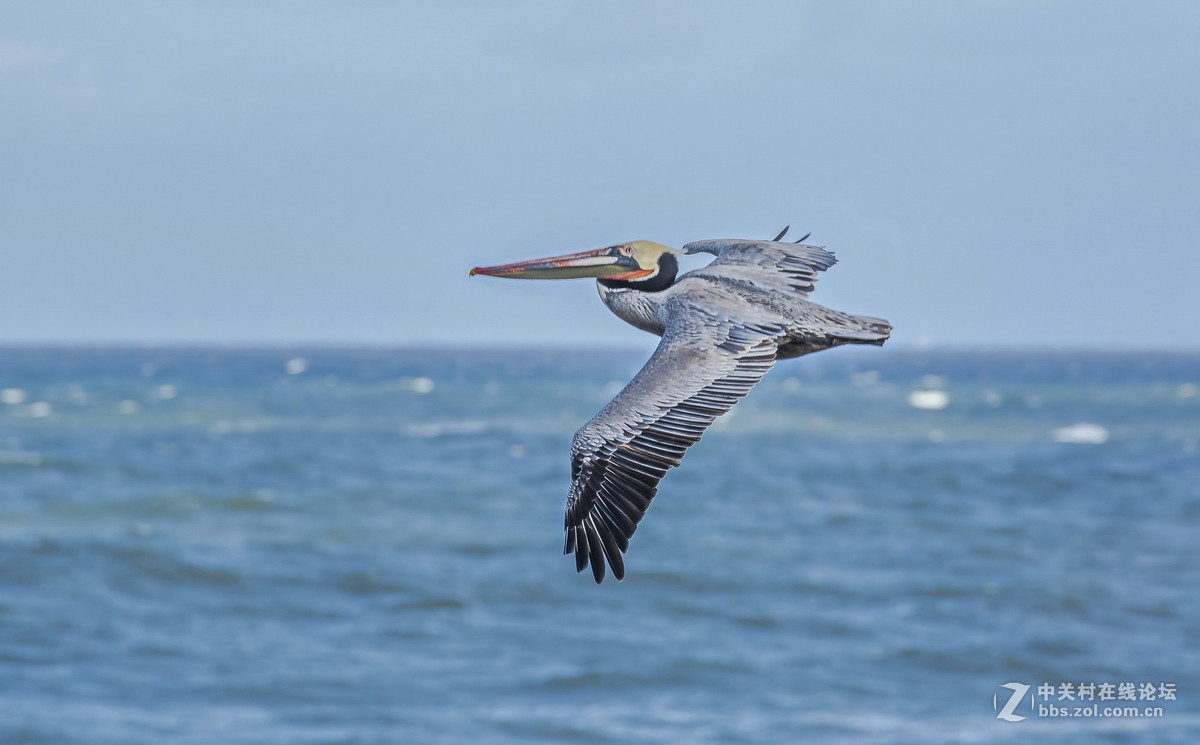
607	262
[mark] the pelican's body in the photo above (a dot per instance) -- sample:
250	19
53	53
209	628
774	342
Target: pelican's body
722	327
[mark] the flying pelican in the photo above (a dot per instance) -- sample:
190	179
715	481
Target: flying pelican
722	327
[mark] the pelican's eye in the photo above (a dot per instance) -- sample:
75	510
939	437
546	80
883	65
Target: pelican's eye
626	250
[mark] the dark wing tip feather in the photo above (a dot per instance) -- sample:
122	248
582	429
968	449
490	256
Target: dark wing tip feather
784	232
595	550
581	548
599	534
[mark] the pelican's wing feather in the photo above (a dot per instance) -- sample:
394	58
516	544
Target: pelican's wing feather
788	266
702	367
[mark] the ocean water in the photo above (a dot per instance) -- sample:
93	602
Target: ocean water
364	546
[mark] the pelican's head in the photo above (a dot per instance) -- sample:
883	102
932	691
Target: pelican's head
633	264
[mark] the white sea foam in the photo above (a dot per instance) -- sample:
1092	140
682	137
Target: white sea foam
929	399
1082	433
429	430
421	385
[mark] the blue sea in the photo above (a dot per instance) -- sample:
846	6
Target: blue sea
364	546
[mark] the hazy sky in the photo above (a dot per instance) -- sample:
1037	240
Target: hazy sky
989	173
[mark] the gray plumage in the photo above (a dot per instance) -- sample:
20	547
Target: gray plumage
723	327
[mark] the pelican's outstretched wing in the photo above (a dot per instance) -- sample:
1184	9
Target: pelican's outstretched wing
787	266
699	371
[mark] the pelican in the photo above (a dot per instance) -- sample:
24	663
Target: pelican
723	327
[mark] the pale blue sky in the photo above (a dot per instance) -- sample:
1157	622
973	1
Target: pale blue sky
989	173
